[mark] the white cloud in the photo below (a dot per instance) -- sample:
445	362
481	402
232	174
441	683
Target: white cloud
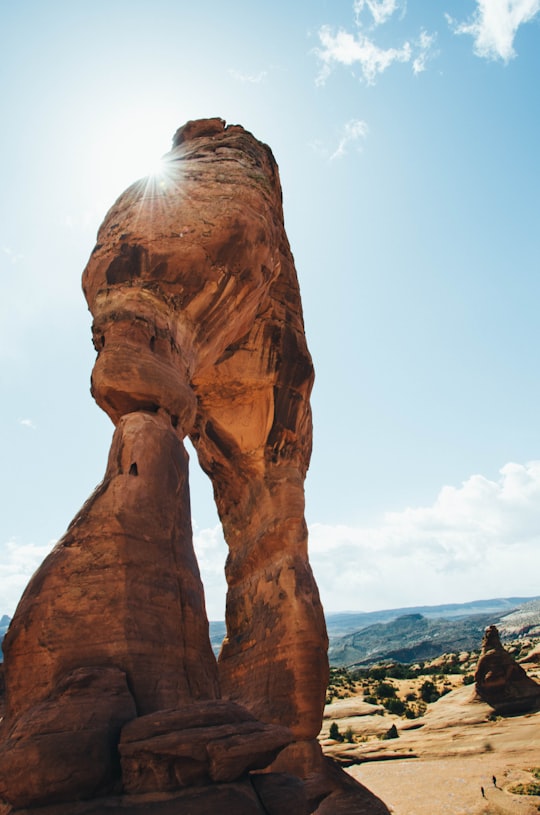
425	51
381	10
342	47
354	131
254	79
494	25
27	423
475	541
211	551
347	49
18	562
478	540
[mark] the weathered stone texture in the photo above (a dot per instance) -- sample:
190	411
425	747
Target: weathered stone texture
199	332
65	747
197	310
208	742
500	681
122	587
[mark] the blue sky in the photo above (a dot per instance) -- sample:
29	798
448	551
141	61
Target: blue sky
407	138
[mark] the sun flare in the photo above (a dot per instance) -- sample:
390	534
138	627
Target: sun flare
129	149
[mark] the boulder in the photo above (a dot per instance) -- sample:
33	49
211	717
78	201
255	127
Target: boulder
65	747
281	793
208	742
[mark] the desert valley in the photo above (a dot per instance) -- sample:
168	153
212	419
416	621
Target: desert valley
420	738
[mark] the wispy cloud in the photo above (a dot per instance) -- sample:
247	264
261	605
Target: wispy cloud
27	423
357	49
494	25
424	51
476	540
354	132
253	79
381	10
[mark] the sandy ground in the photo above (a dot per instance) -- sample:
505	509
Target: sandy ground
447	786
439	764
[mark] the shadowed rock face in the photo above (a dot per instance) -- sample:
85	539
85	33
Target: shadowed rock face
500	681
198	328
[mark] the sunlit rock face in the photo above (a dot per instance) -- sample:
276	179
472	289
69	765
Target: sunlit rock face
500	681
197	312
199	332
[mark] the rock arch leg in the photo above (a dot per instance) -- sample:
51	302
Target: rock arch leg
253	438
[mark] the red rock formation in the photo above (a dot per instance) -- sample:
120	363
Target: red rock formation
500	681
122	587
63	748
199	332
206	742
197	310
198	328
120	591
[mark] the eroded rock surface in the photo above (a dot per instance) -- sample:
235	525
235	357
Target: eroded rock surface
65	747
500	681
199	332
122	587
197	311
207	742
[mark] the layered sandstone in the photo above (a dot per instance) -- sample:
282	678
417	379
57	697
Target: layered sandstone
199	332
122	587
197	312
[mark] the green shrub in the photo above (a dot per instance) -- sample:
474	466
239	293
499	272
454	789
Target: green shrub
378	673
399	671
395	706
340	684
334	732
429	692
531	788
385	690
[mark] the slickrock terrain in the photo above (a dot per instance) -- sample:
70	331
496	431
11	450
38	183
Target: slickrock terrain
113	694
439	762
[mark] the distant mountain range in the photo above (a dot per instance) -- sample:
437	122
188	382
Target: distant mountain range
414	633
427	632
347	622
